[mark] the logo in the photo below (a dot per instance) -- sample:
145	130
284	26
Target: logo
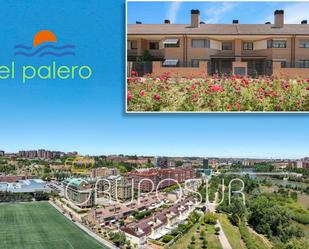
45	44
41	49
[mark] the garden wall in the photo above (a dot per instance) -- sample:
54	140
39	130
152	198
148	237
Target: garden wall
291	72
200	71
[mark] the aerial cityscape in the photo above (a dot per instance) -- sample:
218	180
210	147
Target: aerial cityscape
129	201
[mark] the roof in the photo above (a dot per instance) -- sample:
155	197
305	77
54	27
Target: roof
217	29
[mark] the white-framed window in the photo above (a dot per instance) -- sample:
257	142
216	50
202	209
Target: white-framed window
304	43
200	43
133	45
278	44
247	46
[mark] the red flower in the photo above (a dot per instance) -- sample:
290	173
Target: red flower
142	93
129	96
157	97
216	88
245	82
307	88
237	105
307	80
134	74
228	107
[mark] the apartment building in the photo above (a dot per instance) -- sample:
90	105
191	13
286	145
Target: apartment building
221	45
103	172
117	187
151	179
80	191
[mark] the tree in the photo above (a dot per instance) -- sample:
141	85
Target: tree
146	56
217	230
193	240
297	244
167	238
204	244
237	210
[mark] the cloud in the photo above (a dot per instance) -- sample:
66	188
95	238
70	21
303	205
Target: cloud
293	13
173	11
216	12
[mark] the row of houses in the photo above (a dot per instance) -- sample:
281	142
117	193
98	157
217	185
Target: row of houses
223	46
159	224
105	216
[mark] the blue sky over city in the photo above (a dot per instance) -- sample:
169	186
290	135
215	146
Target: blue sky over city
215	11
88	116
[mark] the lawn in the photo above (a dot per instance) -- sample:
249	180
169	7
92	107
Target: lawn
38	225
232	233
212	240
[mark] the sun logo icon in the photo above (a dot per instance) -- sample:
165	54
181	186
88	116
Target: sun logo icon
43	45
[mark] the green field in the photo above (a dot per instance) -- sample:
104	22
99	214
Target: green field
38	225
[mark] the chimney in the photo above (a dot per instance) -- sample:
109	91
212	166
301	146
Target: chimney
279	18
137	22
304	22
195	18
235	21
166	21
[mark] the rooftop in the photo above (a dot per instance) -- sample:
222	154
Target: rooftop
217	29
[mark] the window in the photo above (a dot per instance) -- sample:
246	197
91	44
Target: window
278	44
269	43
304	63
133	44
226	45
248	46
195	62
304	44
171	43
200	43
153	45
283	64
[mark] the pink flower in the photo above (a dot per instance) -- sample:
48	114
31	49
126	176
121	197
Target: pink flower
142	93
134	74
157	97
216	88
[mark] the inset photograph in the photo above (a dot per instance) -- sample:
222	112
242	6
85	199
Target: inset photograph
217	57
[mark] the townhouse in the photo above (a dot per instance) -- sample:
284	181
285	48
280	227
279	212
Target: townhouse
108	215
225	47
159	224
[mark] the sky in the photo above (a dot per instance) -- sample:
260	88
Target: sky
89	116
216	11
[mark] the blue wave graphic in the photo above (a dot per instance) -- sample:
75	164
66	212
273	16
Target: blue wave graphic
23	46
57	54
40	49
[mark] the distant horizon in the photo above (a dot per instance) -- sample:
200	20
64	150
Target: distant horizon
162	155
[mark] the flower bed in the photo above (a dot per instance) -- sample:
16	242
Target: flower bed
228	94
